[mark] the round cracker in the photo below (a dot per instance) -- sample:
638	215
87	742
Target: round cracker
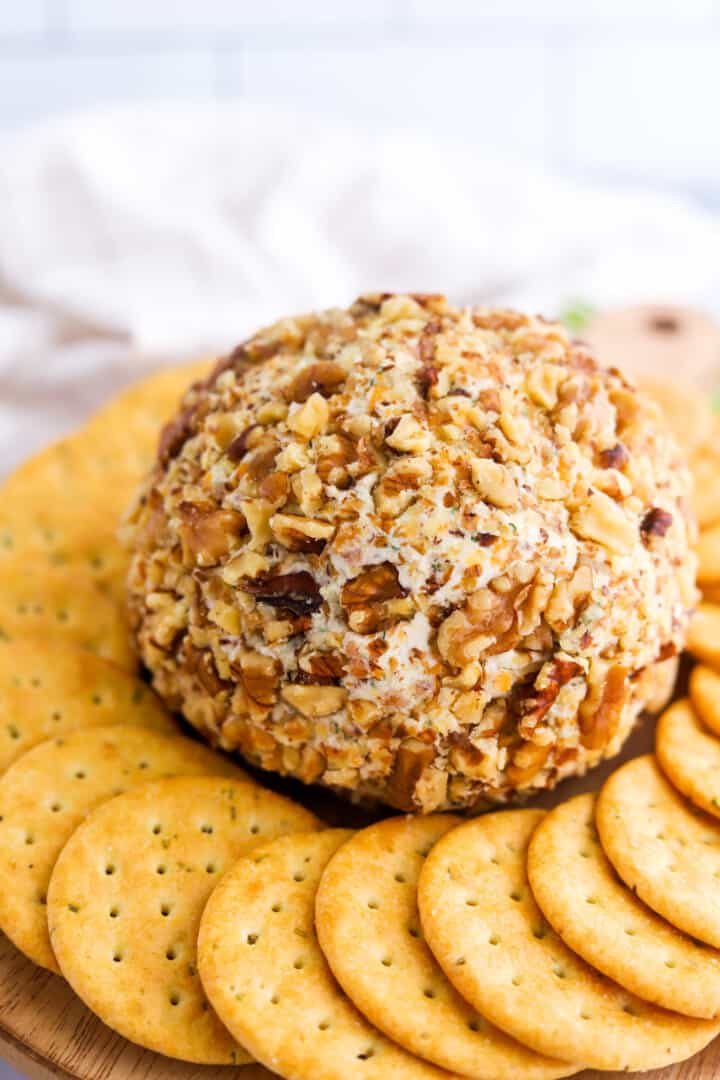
63	505
264	973
481	921
368	926
131	422
108	457
35	530
705	466
689	756
52	602
711	594
708	553
705	696
584	901
127	893
48	791
48	688
686	409
662	848
704	635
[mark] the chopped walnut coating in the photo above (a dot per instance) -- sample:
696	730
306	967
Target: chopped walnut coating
426	555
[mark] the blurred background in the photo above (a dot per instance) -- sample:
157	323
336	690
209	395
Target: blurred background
175	173
621	91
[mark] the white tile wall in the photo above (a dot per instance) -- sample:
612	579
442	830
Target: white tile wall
645	112
569	11
22	16
35	86
451	92
625	89
204	15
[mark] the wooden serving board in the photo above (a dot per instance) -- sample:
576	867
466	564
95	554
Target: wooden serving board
46	1032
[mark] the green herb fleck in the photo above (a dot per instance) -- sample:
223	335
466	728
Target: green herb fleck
577	314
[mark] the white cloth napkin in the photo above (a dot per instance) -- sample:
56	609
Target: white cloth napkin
135	236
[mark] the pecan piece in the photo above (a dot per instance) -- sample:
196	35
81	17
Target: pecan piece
550	681
175	434
202	663
375	599
322	667
260	676
240	445
597	728
655	523
297	593
207	535
428	374
616	457
372	586
323	377
411	760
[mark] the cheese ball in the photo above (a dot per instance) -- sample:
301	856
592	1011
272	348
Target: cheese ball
430	556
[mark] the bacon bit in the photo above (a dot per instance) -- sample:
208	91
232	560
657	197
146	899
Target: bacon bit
656	522
297	593
666	651
458	391
616	457
484	539
238	448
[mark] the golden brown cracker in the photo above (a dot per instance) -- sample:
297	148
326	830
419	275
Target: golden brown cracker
598	917
689	755
127	893
264	973
705	696
662	847
685	409
708	553
368	926
47	792
38	600
49	688
704	635
484	927
705	467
